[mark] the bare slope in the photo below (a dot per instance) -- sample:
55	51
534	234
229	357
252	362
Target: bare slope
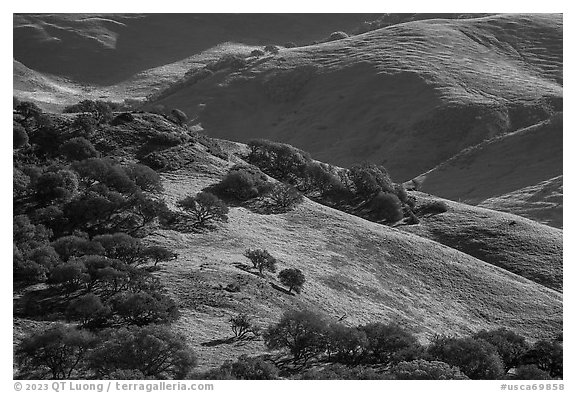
514	243
409	96
108	48
356	268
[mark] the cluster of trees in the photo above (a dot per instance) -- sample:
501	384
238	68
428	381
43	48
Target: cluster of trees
395	353
65	352
364	189
247	182
78	222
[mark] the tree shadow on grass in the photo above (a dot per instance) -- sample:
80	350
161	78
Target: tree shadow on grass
231	340
219	341
246	268
283	290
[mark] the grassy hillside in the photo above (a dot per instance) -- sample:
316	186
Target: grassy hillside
516	244
542	202
109	48
386	96
356	270
500	165
353	267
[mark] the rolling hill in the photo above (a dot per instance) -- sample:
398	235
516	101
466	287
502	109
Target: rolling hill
467	109
542	202
356	269
105	49
503	169
365	271
386	96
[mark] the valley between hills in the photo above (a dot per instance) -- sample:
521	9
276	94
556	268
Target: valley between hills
410	168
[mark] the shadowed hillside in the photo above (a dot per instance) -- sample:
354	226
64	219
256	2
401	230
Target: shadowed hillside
386	96
108	48
501	166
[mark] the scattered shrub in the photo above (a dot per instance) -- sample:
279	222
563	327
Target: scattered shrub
144	177
292	278
20	137
121	246
285	196
243	183
423	369
84	124
300	332
20	183
154	351
179	117
245	368
476	358
143	308
530	372
122	118
159	254
232	61
386	206
56	353
56	186
432	207
510	346
337	35
340	372
271	49
262	260
546	355
88	309
101	110
346	344
370	179
278	160
69	276
204	208
241	325
257	53
232	287
75	246
77	149
388	343
28	110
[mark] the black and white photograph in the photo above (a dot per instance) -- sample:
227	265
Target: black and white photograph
289	196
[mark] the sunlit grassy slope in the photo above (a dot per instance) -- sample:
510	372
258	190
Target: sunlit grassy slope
356	270
542	202
519	245
353	267
409	96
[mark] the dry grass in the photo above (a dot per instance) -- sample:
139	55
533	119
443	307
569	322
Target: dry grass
354	267
500	165
542	202
516	244
392	93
